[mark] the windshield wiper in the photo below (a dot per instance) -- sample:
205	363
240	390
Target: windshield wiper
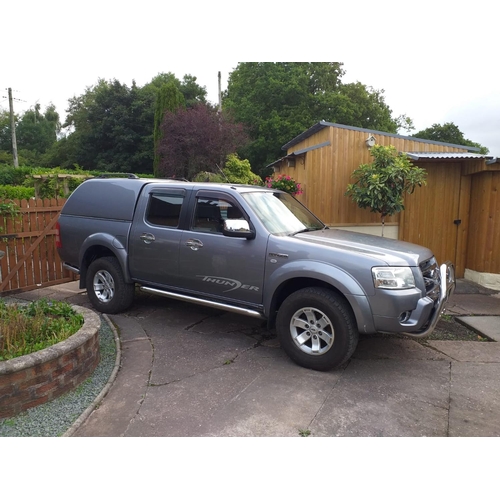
306	230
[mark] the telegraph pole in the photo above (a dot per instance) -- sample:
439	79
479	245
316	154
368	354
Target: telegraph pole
13	129
220	95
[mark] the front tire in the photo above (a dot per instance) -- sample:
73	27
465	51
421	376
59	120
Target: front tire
317	329
106	287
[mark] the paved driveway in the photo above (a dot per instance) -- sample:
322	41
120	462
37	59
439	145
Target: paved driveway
192	371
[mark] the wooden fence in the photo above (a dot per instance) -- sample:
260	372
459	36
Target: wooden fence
27	240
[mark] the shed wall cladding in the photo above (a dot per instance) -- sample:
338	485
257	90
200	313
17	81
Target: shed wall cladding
431	211
325	172
483	252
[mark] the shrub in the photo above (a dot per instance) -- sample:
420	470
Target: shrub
16	193
12	176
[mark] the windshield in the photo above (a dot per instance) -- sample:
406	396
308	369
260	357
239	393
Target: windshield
281	213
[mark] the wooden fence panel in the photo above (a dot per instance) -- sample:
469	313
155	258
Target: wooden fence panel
28	241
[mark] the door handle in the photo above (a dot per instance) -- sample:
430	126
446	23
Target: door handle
194	244
147	238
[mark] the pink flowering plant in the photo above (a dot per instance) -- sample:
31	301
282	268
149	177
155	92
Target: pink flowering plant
284	183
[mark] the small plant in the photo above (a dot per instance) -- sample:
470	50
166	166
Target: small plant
27	329
284	183
304	432
382	184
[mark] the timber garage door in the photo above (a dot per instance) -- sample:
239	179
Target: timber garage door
436	215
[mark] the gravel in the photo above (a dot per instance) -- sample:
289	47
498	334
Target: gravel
56	417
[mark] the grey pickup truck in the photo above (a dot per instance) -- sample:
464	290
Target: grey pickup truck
253	251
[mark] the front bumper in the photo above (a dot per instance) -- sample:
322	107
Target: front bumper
447	285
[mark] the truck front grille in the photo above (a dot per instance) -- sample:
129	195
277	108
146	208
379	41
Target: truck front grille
432	278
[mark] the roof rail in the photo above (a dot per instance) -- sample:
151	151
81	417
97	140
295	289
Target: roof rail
118	174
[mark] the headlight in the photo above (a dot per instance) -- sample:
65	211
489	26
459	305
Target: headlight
393	278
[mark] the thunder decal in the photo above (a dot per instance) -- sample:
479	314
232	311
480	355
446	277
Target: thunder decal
228	282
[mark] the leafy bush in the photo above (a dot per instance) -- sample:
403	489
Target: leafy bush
235	171
12	176
16	193
27	329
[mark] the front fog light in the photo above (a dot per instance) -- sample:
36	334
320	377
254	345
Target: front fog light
393	278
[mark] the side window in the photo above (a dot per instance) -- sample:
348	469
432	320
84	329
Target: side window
164	209
210	214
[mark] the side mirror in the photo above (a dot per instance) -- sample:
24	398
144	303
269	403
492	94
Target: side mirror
238	228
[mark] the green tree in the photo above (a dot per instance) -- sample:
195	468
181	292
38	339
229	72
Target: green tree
169	98
382	184
365	107
278	101
110	126
193	92
37	132
449	132
5	135
112	132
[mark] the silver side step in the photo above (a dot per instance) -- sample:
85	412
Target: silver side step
204	302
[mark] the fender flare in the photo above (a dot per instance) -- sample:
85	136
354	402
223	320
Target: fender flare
112	244
334	276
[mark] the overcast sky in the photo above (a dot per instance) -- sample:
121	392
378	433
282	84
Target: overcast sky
437	63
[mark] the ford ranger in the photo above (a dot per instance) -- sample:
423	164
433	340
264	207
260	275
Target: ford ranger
253	251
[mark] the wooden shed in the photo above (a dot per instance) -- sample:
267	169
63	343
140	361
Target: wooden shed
457	214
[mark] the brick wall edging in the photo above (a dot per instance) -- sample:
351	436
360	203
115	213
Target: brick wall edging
42	376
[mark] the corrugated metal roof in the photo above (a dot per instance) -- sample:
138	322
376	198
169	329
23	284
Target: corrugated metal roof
424	155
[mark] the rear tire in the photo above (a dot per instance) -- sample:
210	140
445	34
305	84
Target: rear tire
317	329
106	287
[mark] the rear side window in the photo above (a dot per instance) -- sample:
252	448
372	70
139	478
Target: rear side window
164	209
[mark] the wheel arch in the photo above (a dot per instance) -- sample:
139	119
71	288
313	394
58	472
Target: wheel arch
323	276
102	245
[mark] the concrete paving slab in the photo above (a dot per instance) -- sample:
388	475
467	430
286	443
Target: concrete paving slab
488	326
181	354
475	400
395	348
255	396
121	405
474	352
387	398
473	304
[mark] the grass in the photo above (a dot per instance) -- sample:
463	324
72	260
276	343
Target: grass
29	328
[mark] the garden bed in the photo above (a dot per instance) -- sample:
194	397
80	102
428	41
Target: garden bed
42	376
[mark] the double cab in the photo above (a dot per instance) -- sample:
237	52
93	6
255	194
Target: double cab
253	251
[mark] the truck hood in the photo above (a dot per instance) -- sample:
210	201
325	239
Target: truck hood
392	252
